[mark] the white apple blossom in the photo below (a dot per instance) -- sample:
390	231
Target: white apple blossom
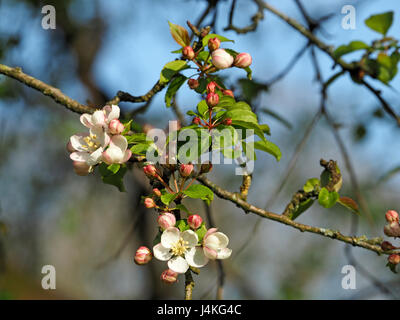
100	118
180	249
89	147
215	245
118	151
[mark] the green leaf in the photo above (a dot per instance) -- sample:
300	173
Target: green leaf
380	22
302	207
311	185
269	147
173	88
182	208
127	127
248	150
138	138
265	128
249	73
349	204
202	108
351	47
242	115
201	232
180	34
213	35
199	191
167	198
327	199
226	102
114	167
392	267
170	69
141	148
182	225
115	179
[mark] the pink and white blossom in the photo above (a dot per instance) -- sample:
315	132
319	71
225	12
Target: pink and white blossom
215	245
118	151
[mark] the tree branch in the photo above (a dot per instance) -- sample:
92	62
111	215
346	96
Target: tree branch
363	242
52	92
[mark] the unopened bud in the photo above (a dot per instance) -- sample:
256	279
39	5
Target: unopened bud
116	127
386	246
166	220
168	276
149	203
193	83
150	170
81	168
196	120
188	53
206	167
242	60
212	99
143	255
228	93
228	121
211	87
186	169
194	221
392	229
213	44
157	192
394	259
221	59
392	216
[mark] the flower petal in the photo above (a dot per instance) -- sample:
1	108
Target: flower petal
196	258
95	157
79	156
216	241
86	120
224	253
162	253
210	253
210	231
191	237
127	156
119	142
113	155
170	236
99	118
112	112
77	141
178	264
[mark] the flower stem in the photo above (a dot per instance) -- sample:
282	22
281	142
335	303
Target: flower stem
189	285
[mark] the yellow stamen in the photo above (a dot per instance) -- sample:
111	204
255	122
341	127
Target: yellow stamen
180	247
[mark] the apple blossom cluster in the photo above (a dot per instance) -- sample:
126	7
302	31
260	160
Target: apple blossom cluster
103	142
392	229
182	243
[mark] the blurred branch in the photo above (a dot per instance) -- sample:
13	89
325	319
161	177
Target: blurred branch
52	92
189	285
252	27
363	242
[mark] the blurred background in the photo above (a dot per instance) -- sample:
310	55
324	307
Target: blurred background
89	231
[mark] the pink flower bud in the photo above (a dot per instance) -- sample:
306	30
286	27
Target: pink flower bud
186	169
221	59
211	87
166	220
168	276
143	255
392	229
70	148
149	203
228	93
188	53
116	127
213	44
81	168
228	121
157	192
196	120
394	259
212	99
391	216
150	170
386	246
242	60
193	83
194	221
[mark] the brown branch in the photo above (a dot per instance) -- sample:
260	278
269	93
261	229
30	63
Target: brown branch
246	184
369	244
52	92
258	16
189	285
